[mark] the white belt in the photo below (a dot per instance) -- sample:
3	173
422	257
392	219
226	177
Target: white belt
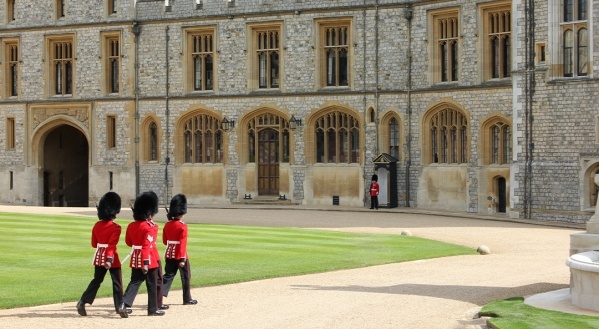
172	242
102	245
136	247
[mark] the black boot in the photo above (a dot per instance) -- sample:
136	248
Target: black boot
81	308
157	313
123	311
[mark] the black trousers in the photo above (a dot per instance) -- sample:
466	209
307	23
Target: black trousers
171	268
89	295
137	277
374	202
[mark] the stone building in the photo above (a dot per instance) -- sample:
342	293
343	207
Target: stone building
222	100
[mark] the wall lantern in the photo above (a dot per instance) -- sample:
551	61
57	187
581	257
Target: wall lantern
294	123
225	124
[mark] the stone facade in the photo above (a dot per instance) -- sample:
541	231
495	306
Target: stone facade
392	70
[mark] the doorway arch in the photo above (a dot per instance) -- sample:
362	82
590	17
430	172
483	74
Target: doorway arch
61	150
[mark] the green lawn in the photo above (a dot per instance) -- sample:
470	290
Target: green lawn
47	259
512	313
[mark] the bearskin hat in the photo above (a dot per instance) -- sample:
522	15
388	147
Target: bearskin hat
110	206
146	205
178	206
375	178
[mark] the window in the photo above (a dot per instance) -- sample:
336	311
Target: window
500	143
337	137
446	33
575	38
112	62
111	131
393	148
447	137
335	38
203	139
200	59
10	133
153	142
11	179
112	7
61	66
10	11
279	126
151	138
497	47
11	67
266	64
60	9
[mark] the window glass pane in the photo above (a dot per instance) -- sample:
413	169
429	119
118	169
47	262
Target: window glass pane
285	146
197	73
568	10
209	73
343	146
274	70
568	60
209	147
355	146
331	68
495	144
320	146
252	146
332	146
198	150
583	55
343	67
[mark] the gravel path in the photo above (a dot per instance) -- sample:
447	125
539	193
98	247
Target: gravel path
525	259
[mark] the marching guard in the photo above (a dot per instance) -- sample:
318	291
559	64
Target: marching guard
105	238
174	236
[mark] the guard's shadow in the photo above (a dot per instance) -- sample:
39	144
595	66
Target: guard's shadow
471	294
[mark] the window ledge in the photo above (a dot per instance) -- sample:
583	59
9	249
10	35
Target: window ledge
200	93
332	89
498	82
565	80
271	91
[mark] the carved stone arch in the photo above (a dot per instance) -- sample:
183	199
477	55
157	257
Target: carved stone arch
41	131
496	123
182	150
437	126
311	131
392	136
61	151
261	118
151	137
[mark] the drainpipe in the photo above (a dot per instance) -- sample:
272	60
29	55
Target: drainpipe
168	132
529	89
364	93
376	67
136	30
408	15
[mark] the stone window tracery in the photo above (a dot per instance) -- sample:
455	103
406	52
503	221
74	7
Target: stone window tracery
202	139
337	138
447	136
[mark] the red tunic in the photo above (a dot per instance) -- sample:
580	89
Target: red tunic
105	238
153	247
139	237
174	236
374	189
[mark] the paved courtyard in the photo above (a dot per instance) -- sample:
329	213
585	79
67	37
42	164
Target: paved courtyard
525	259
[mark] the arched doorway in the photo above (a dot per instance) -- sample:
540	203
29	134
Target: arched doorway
501	194
268	162
65	168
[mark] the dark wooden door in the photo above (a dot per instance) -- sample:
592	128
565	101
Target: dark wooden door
501	194
268	162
